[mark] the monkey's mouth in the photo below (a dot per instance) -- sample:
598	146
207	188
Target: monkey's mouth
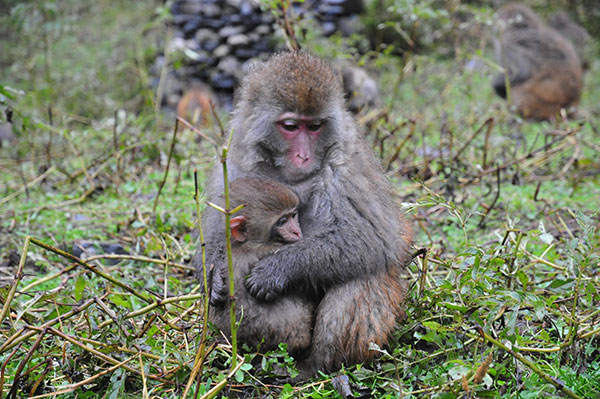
300	173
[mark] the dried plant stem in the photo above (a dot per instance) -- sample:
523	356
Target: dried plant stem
590	333
15	384
399	147
424	268
42	376
574	323
288	28
234	325
162	302
221	384
27	185
196	130
106	256
17	279
72	387
199	359
144	382
528	158
48	278
107	346
23	335
94	352
91	268
171	150
489	123
532	366
163	262
494	201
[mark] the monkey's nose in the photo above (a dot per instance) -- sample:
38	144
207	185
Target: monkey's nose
303	158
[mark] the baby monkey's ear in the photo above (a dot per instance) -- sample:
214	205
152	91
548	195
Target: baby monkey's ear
238	228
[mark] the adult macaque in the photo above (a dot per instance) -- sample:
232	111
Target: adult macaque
543	68
290	124
268	221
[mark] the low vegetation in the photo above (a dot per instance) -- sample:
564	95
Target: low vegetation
98	223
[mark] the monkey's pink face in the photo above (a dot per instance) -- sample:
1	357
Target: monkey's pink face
301	133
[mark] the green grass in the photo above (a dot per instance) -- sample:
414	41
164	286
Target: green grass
508	265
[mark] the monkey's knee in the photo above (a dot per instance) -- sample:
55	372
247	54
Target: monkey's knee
353	316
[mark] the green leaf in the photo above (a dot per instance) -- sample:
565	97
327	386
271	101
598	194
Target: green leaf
80	284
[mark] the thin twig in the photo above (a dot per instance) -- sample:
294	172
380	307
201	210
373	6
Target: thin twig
494	201
23	335
91	268
27	185
94	352
288	28
24	361
72	387
199	359
171	150
532	366
196	130
17	279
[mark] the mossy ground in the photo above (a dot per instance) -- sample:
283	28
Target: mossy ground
507	210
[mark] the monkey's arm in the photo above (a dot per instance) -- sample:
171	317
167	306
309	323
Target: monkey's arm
333	256
352	230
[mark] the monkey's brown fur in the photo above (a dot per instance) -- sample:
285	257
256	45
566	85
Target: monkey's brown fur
309	85
345	328
194	106
543	68
265	325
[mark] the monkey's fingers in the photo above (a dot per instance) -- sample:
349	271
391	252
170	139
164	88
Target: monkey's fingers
264	284
218	294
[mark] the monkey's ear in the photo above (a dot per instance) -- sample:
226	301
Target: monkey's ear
238	228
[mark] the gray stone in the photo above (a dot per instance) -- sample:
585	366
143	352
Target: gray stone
238	40
211	10
221	80
230	31
230	65
203	35
263	30
222	51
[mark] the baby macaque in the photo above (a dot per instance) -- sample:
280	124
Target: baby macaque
268	221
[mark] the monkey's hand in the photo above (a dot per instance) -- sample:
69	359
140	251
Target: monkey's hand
219	289
216	276
265	282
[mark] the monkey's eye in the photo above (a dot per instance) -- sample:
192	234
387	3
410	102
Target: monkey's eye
282	220
290	125
315	126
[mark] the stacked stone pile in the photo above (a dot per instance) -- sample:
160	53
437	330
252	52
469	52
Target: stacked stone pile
217	37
